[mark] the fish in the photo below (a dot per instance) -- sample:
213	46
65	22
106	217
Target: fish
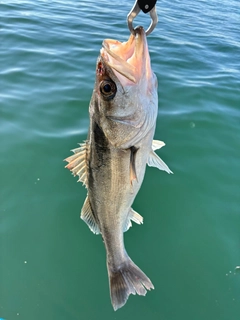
111	163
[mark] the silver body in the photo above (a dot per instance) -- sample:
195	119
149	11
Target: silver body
112	162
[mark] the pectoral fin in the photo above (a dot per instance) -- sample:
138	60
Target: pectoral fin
134	216
88	217
77	163
133	174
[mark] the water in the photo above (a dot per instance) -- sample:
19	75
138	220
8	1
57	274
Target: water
52	267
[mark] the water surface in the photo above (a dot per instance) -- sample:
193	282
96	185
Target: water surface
52	267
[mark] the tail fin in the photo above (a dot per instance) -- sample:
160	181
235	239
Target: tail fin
128	279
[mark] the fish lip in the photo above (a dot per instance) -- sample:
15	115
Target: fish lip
129	70
130	58
141	38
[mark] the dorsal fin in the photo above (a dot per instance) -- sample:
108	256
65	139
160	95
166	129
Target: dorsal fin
88	217
77	163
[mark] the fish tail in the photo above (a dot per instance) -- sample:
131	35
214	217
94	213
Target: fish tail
126	280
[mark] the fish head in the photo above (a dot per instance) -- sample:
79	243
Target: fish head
125	95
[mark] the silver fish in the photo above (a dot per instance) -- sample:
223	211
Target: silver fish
112	162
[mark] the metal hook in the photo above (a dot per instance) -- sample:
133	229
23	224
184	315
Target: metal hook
135	11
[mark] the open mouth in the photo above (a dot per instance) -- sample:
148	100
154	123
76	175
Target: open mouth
127	58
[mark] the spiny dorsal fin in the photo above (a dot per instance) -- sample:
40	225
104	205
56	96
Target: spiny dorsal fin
88	217
77	163
134	216
133	174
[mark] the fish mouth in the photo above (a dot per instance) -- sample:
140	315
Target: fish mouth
129	60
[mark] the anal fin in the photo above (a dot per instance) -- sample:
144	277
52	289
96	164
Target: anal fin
88	217
132	216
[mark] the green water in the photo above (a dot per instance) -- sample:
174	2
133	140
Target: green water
51	266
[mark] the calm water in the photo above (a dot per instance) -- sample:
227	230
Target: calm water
52	267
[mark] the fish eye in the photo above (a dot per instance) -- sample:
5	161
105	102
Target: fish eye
108	89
